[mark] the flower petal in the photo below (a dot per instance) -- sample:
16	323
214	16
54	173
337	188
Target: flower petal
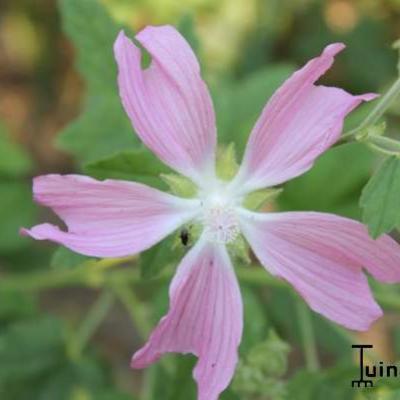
168	103
300	122
107	218
322	256
205	318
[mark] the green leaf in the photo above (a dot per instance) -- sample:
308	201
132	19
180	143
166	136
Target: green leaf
29	348
137	165
380	198
81	380
260	371
102	128
357	116
186	27
182	386
34	364
238	104
256	322
14	161
16	206
15	305
330	384
16	210
64	258
154	260
111	394
333	184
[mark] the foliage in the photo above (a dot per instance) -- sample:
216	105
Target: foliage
15	164
380	198
102	128
48	353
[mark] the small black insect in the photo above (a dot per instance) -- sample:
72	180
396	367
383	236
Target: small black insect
185	236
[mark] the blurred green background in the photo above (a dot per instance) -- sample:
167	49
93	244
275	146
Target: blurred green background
68	324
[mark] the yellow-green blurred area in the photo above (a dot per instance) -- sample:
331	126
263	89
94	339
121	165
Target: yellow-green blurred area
41	90
69	324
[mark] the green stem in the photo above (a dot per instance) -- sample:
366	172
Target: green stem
383	104
137	313
91	273
135	309
149	383
92	321
380	150
307	332
83	276
385	144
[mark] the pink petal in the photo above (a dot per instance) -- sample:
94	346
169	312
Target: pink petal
322	256
300	122
107	218
205	318
168	103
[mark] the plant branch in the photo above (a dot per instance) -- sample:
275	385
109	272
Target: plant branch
101	273
377	112
135	309
91	322
308	336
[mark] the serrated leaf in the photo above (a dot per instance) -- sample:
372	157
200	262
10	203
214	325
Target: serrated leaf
102	128
137	165
260	371
380	198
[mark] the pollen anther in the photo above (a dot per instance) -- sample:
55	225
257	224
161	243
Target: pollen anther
220	224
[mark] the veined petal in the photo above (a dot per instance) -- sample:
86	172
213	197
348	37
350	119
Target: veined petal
168	103
322	256
205	319
107	218
300	122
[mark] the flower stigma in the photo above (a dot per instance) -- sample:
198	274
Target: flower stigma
219	219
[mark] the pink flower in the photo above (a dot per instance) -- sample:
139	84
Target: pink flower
321	255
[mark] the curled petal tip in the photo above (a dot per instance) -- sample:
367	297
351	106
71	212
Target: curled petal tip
334	48
137	362
155	29
120	42
23	232
81	202
369	96
134	363
170	97
204	299
42	232
366	325
339	290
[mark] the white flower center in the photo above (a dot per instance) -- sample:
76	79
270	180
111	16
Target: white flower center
219	219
